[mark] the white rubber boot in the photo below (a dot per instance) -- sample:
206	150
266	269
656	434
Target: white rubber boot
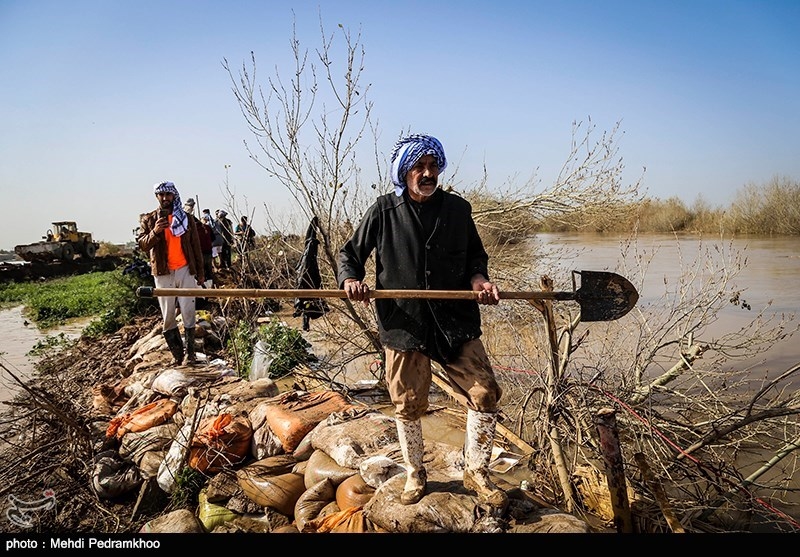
477	454
409	434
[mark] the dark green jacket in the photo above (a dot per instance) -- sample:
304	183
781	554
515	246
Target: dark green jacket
406	259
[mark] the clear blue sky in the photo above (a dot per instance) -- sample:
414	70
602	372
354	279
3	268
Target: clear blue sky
102	99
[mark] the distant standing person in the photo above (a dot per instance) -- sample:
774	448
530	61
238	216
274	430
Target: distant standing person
206	241
225	227
208	255
245	235
170	236
216	243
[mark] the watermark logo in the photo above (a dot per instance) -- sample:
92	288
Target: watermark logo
19	511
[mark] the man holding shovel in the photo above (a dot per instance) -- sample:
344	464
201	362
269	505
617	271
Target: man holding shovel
424	238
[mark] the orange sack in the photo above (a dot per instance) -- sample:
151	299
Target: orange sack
220	442
149	415
296	413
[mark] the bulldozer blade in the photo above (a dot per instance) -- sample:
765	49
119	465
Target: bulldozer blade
602	296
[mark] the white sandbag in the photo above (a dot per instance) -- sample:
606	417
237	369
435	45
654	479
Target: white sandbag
135	443
264	442
136	348
351	441
176	382
176	457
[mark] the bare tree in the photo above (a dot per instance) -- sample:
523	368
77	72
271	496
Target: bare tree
688	407
590	183
306	137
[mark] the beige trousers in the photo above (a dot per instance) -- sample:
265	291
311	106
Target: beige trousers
408	376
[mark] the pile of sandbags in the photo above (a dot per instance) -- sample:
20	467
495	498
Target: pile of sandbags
281	462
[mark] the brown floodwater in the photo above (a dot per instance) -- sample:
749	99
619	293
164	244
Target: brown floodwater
19	335
764	270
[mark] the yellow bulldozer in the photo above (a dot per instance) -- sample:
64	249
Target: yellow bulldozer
63	241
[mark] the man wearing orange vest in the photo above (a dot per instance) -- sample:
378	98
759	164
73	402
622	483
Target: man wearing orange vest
176	261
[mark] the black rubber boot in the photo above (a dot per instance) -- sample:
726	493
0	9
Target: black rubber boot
173	338
191	358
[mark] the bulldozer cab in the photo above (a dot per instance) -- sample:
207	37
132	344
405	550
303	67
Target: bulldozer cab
64	231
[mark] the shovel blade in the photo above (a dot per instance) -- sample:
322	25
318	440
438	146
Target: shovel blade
604	296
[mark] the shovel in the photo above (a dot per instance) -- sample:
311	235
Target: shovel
602	296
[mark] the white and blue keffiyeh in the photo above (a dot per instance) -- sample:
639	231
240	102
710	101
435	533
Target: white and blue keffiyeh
407	152
180	222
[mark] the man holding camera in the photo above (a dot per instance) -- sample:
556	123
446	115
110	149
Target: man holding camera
176	260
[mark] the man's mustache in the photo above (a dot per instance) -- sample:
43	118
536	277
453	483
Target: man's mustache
427	182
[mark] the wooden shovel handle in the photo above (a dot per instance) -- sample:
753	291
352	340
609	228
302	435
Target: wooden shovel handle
148	292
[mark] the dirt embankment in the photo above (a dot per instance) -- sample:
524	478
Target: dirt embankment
48	433
51	434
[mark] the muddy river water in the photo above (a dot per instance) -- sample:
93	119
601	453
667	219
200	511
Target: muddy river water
17	337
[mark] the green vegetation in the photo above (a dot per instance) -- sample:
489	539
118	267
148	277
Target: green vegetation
188	484
241	339
50	345
109	296
285	345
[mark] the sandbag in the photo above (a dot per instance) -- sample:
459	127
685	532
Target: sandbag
106	398
286	529
147	416
157	438
353	492
296	413
279	492
221	442
258	484
150	463
269	466
176	382
148	339
305	449
330	508
351	437
312	501
300	468
182	521
234	394
113	476
222	486
264	442
448	508
139	394
321	466
352	521
173	462
212	515
377	469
